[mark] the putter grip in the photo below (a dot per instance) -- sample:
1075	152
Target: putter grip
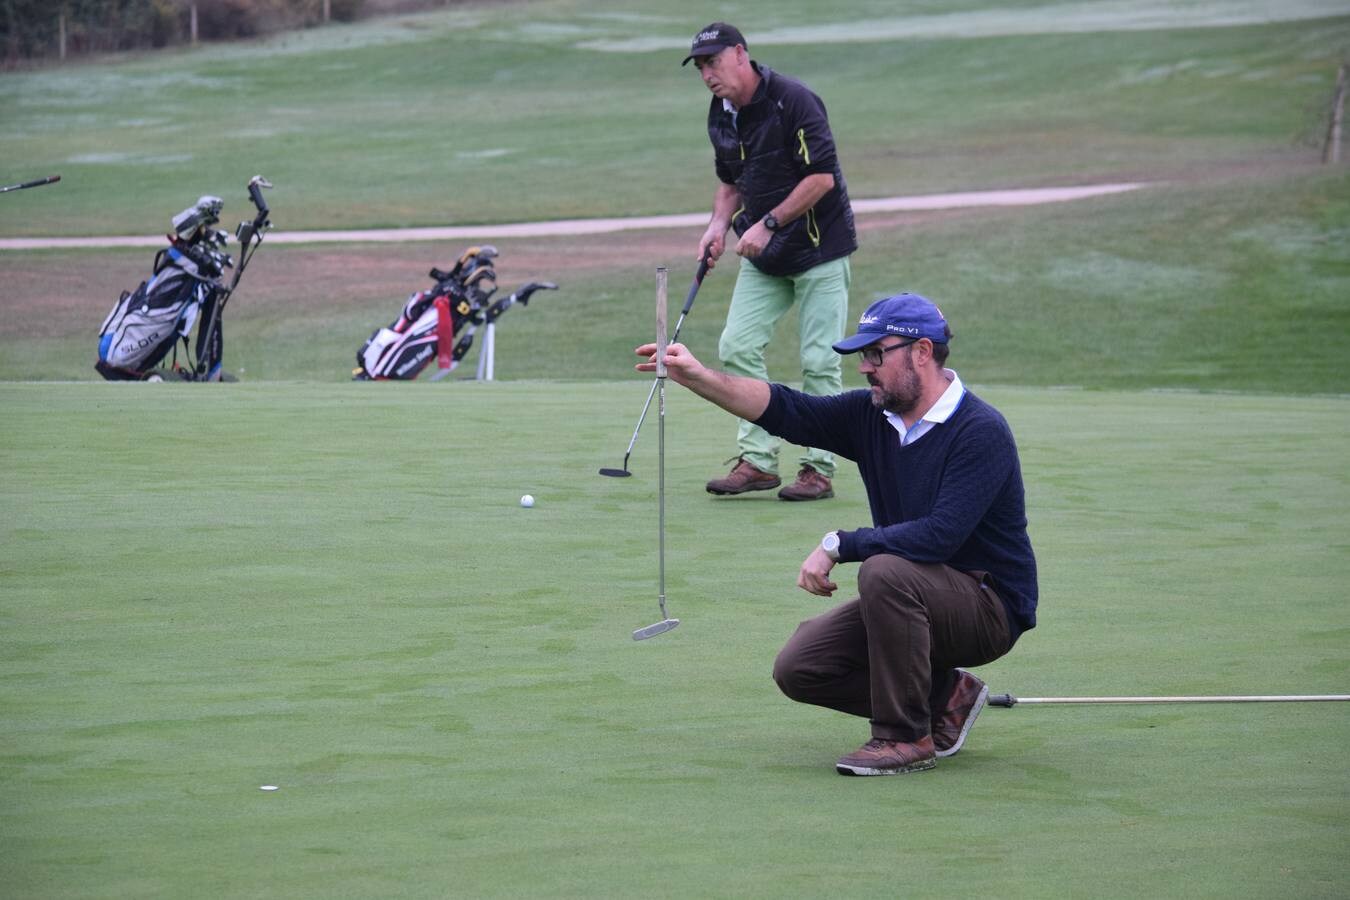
661	340
698	282
1004	700
255	192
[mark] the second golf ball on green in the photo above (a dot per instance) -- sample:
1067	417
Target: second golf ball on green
527	501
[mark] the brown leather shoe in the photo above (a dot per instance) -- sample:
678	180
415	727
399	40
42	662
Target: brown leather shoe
810	485
882	757
744	477
951	724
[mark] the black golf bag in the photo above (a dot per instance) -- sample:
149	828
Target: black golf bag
147	324
440	323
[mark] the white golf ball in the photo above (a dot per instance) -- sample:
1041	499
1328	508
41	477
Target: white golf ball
527	501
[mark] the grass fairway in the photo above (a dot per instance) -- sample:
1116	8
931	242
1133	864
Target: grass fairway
1225	286
487	112
331	588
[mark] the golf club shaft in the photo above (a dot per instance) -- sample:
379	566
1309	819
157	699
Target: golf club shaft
661	495
679	323
1008	700
37	182
648	405
661	344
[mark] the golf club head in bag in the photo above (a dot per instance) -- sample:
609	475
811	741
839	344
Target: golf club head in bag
204	213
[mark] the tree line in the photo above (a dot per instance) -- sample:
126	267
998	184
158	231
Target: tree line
55	29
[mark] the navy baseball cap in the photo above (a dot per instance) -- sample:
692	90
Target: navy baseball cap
716	37
904	315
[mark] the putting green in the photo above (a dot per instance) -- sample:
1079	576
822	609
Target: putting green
334	590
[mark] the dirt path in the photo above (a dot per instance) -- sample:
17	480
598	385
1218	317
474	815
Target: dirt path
573	227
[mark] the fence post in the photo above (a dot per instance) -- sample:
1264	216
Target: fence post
192	20
61	34
1331	152
327	10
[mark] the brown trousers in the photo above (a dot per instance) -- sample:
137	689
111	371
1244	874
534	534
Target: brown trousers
890	654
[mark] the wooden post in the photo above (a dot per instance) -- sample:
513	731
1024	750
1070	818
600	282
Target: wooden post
192	23
1331	152
61	34
327	10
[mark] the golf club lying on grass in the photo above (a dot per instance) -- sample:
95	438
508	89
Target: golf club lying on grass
666	622
688	304
1009	701
38	182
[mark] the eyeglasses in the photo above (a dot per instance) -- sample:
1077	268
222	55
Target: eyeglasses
875	356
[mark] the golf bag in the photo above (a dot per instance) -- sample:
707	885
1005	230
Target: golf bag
440	323
147	324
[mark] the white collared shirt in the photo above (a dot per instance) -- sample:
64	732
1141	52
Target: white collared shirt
939	412
729	107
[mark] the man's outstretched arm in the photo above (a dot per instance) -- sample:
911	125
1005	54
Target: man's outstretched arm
744	397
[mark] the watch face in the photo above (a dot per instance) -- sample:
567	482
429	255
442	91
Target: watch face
771	222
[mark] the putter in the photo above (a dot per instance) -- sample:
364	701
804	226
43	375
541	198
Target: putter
666	622
688	304
37	182
1008	700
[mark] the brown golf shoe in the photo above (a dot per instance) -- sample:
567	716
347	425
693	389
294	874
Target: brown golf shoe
951	724
810	485
882	757
744	477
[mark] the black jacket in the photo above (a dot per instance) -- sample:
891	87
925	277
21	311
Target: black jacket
765	149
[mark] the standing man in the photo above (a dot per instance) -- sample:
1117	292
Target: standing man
781	188
947	575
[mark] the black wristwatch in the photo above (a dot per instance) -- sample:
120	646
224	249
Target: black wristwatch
771	222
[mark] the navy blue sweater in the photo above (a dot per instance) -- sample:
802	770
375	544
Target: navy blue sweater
954	496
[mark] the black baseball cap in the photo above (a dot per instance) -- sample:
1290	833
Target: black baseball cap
717	36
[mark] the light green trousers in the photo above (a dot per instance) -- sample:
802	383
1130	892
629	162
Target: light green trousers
757	304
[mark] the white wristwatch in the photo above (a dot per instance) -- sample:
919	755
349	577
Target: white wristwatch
830	544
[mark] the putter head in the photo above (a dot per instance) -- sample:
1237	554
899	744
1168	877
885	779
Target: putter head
653	630
616	473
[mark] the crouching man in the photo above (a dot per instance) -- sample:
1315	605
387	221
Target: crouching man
947	576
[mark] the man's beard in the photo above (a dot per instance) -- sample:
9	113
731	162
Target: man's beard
904	397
